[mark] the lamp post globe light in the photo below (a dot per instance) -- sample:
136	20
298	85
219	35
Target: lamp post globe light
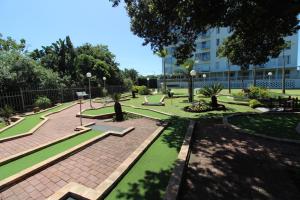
89	75
104	80
148	81
270	74
204	77
193	73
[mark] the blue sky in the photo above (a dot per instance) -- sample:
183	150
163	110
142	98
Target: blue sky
42	22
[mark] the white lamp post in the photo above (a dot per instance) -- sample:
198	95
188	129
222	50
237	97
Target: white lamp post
204	77
148	82
270	74
89	75
193	73
104	80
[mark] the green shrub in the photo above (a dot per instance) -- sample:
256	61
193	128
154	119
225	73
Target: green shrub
253	103
201	106
142	90
6	112
42	102
211	90
258	93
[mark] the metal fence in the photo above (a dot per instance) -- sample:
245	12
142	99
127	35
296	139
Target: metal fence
24	99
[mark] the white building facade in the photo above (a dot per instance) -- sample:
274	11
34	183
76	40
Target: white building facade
216	68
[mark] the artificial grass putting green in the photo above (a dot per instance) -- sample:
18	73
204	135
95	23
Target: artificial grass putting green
29	122
110	109
276	125
18	165
154	98
149	177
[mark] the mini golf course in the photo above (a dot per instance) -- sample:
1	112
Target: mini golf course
15	166
30	122
141	111
281	125
154	98
149	176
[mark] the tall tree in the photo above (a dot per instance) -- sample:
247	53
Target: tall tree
188	66
176	22
163	54
132	74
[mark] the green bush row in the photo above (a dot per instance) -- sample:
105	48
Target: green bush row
142	90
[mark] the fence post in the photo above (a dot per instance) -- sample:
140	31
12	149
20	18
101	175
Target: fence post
22	99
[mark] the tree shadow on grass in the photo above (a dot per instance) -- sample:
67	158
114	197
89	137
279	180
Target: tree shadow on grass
151	186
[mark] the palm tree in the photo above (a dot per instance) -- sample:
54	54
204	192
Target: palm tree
163	54
285	45
212	91
188	66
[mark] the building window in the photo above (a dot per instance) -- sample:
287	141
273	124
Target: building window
217	65
286	58
218	30
218	42
205	45
203	56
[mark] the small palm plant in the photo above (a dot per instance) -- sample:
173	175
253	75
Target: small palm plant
211	91
118	107
6	112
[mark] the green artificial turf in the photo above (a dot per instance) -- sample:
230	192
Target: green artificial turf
275	125
2	125
110	109
18	165
149	177
29	122
154	98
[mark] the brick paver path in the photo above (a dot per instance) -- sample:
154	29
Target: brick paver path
89	167
227	165
58	125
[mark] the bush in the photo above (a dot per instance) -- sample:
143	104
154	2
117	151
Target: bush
200	106
42	102
211	90
258	93
6	112
253	103
142	90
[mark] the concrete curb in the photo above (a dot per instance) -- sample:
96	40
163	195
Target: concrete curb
31	131
51	161
175	181
83	192
249	132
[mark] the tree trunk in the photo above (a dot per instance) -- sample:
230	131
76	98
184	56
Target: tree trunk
229	80
118	111
165	82
283	75
190	88
254	76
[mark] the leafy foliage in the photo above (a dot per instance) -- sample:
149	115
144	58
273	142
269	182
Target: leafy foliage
200	106
6	112
253	103
258	93
175	22
42	102
142	90
211	90
131	74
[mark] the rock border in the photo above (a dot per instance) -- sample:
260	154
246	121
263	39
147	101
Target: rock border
249	132
52	160
35	128
109	183
175	180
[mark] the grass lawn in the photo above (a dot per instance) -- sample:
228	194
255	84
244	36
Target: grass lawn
276	125
154	98
2	125
229	99
149	177
29	122
291	92
18	165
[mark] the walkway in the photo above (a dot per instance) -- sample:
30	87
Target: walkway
229	165
58	125
89	167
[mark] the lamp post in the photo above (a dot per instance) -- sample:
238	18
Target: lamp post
270	74
193	73
104	80
89	75
204	77
148	82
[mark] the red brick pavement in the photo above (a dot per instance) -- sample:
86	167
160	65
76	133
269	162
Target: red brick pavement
89	167
58	125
